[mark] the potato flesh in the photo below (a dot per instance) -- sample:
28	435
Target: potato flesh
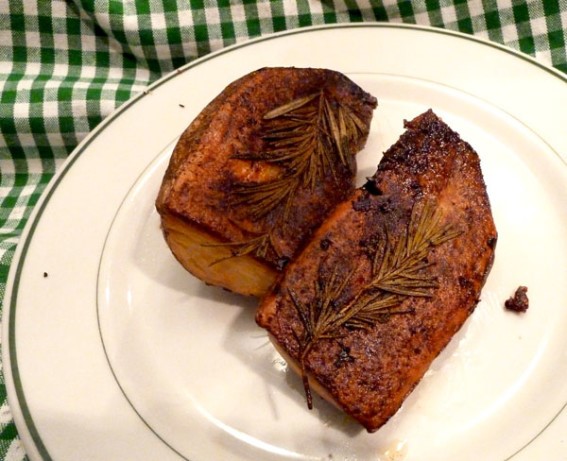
208	259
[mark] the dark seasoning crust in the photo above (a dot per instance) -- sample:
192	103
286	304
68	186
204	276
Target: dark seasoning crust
368	372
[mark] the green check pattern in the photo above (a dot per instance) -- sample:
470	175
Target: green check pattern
66	65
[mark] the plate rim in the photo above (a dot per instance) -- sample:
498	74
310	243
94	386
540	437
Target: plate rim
15	393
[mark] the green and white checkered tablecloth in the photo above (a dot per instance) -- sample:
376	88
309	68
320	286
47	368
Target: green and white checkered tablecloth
66	65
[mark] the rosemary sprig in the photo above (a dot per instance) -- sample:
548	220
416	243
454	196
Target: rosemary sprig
398	271
308	138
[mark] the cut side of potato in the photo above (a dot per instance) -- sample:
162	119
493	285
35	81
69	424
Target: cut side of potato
208	259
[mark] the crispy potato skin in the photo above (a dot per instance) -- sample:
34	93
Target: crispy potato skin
385	362
203	172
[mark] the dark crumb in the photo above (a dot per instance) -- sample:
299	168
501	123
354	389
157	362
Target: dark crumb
324	244
519	302
344	356
182	106
45	274
281	263
362	204
371	187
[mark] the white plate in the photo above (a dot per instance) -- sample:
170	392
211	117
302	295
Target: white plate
112	351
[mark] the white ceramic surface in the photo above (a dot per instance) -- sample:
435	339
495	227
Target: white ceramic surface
120	354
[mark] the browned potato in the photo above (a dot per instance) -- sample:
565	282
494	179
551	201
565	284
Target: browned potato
390	276
258	170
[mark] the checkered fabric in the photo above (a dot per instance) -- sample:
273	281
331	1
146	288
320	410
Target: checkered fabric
66	65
